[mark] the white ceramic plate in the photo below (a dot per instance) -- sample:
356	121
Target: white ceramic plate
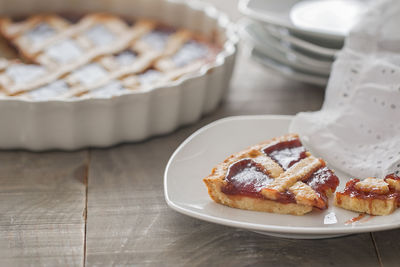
329	16
284	35
278	12
186	193
254	34
286	70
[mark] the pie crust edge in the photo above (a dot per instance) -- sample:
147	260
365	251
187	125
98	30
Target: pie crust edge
216	179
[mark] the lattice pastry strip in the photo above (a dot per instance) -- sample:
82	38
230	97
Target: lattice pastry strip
82	48
80	81
140	28
14	73
94	35
101	30
128	61
136	72
91	31
162	40
274	176
142	63
97	78
30	35
184	55
306	195
112	67
372	195
173	44
298	172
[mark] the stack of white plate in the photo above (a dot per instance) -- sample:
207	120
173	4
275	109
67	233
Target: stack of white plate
297	38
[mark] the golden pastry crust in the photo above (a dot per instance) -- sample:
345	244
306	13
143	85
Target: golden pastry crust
57	33
17	33
250	203
370	206
302	196
371	195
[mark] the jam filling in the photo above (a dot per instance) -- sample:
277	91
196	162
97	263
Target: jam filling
41	32
158	38
322	181
355	219
189	52
392	176
286	153
352	191
246	177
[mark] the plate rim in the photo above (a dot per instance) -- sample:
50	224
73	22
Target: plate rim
243	7
351	229
296	75
302	62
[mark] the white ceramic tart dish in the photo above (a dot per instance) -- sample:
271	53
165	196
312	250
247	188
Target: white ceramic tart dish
90	119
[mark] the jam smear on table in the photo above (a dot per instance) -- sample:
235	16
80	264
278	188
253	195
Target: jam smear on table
247	177
286	153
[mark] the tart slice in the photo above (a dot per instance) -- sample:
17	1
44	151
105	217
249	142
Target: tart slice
371	195
277	176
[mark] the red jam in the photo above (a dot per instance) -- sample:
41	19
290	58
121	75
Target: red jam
352	191
322	181
355	219
392	176
286	153
247	178
286	197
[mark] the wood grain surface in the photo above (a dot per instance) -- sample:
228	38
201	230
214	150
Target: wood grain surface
106	207
42	204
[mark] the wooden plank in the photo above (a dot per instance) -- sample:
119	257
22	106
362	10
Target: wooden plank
42	203
130	224
388	247
125	192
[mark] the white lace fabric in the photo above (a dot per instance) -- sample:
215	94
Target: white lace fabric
358	128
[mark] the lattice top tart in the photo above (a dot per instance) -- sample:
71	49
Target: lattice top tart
278	176
97	55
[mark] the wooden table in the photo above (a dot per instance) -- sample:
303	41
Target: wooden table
106	206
